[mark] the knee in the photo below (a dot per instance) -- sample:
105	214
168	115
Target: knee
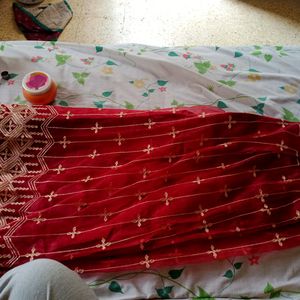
39	272
46	270
44	277
43	265
36	274
43	262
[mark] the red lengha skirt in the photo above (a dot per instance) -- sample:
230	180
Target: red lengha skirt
113	190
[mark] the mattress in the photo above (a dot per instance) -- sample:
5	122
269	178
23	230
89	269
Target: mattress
254	79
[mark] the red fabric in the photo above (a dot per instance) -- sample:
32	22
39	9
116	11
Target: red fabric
109	190
30	28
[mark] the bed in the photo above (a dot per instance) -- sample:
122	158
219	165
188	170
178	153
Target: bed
260	80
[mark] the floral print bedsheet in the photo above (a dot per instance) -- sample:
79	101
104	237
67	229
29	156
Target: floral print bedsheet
257	79
268	276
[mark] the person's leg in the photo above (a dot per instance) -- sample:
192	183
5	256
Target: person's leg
43	279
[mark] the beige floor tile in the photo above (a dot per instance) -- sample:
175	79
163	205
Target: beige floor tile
99	30
103	8
174	22
8	27
70	32
76	6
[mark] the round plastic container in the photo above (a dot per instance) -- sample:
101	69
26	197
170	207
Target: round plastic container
39	88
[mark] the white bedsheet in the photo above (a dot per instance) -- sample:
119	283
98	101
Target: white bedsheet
255	79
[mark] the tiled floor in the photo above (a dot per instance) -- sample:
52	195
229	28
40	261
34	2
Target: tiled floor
174	22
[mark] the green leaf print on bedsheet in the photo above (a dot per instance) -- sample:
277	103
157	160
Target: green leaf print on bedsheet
174	282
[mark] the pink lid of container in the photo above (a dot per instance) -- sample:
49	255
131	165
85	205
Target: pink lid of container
36	82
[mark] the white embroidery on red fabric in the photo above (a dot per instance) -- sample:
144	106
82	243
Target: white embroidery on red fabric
88	178
285	180
279	239
78	270
24	140
282	146
205	226
139	221
170	158
149	124
267	209
10	126
167	199
68	115
254	171
6	154
106	215
82	206
4	256
230	122
94	154
147	262
26	113
202	115
198	180
141	196
282	123
142	246
116	165
64	142
201	211
74	232
173	133
122	114
59	169
51	196
119	139
148	149
104	244
222	166
9	210
202	141
5	197
33	254
39	219
96	128
213	251
198	156
261	196
145	173
226	191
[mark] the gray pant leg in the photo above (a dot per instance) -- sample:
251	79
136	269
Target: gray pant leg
43	279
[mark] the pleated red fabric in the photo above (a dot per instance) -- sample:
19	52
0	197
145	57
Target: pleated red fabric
112	190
